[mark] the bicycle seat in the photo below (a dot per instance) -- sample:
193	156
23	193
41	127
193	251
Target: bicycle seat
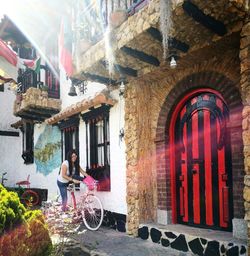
24	182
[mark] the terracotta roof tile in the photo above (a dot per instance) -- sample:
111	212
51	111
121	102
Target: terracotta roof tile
102	97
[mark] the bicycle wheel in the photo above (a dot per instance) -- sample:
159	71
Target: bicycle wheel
92	212
30	198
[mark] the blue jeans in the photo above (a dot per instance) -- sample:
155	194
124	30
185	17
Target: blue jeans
63	192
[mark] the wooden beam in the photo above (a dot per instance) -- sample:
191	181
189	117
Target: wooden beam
72	121
99	79
31	117
172	42
207	21
142	56
122	70
155	33
41	111
126	70
9	133
38	114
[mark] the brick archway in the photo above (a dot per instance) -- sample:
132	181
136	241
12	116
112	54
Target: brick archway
231	95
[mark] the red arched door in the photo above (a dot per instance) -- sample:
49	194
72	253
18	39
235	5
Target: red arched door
202	161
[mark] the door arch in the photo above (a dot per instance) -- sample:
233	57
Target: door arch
200	161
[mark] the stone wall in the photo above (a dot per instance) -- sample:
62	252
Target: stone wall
245	87
148	184
35	98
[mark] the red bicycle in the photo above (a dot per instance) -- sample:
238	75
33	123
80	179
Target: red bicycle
29	197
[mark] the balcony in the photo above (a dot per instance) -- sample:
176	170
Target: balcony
36	100
136	41
91	20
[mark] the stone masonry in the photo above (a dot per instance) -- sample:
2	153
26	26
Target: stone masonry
212	61
147	184
245	87
36	98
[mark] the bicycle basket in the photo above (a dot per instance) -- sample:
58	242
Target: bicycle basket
90	182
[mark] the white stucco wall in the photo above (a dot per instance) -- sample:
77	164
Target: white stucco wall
65	84
114	200
11	149
6	111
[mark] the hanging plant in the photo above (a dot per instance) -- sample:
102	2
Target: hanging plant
165	23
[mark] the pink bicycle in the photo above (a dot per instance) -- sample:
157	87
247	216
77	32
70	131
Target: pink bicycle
89	207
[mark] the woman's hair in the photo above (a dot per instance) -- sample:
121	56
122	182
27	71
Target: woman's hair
76	164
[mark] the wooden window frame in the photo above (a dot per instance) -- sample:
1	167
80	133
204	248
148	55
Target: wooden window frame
28	142
69	135
100	172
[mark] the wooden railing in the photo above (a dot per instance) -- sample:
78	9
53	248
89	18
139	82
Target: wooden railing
28	78
131	6
91	19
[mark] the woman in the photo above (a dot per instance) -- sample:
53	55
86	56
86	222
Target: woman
69	172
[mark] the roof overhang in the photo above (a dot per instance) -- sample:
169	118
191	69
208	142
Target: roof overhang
101	98
137	43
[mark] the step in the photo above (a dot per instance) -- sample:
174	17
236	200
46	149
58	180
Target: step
198	241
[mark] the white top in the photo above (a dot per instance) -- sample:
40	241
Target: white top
60	178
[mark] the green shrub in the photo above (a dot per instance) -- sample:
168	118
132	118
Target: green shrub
39	240
11	210
22	232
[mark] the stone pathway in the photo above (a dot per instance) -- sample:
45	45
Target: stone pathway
71	238
106	241
61	227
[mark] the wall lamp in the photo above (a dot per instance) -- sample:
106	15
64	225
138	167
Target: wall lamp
121	134
122	86
172	58
172	62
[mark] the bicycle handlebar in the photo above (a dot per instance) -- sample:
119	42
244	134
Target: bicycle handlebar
93	185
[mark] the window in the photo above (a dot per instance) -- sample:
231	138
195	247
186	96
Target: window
53	83
70	135
97	145
28	142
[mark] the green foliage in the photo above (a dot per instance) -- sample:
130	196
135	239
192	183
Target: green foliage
22	232
11	210
38	240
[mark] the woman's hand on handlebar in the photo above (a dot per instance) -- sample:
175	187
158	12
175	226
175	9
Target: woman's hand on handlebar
76	181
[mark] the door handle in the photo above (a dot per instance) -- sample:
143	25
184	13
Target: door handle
194	171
